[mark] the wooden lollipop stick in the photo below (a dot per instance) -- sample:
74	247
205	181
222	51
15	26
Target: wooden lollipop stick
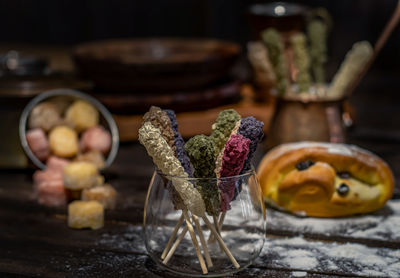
215	219
220	224
221	220
203	241
177	242
195	243
171	239
221	242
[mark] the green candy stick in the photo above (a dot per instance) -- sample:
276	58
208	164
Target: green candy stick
273	41
317	35
302	62
222	129
200	150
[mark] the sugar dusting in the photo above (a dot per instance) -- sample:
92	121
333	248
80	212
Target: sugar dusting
382	225
301	254
129	239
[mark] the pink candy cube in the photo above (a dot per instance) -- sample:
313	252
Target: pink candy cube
38	143
96	138
56	163
49	187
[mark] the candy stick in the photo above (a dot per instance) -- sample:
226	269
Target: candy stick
258	56
317	34
302	61
222	128
203	241
234	157
163	156
195	243
150	137
236	151
251	129
172	237
200	150
179	144
159	118
222	243
352	66
273	41
218	163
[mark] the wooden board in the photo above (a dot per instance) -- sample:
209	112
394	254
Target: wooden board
200	122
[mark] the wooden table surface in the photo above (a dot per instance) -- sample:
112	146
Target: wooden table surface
36	242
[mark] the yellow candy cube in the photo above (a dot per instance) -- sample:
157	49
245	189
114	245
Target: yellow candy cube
85	214
106	195
80	175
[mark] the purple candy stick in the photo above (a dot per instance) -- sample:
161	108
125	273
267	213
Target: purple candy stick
251	129
179	144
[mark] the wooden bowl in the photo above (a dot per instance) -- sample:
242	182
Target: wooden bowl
128	65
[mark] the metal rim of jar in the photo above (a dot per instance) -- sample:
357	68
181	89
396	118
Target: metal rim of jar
73	93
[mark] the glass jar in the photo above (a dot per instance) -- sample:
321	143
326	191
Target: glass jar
226	242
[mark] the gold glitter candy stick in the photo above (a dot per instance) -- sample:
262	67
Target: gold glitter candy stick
355	61
163	156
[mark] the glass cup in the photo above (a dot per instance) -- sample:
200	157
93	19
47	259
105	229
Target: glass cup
235	232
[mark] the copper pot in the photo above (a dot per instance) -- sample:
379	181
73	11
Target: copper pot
306	119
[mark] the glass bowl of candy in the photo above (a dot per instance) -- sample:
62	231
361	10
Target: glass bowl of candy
216	229
70	126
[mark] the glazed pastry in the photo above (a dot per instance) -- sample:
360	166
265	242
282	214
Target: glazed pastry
106	195
325	180
85	214
80	175
45	116
38	143
49	187
63	141
94	157
96	139
82	115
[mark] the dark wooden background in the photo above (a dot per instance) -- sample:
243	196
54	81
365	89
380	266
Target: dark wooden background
75	21
36	242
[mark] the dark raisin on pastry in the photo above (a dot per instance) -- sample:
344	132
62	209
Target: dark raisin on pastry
344	175
343	189
304	165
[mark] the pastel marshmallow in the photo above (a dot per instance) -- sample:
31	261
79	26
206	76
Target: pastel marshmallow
38	143
49	187
80	175
63	141
85	214
106	195
97	139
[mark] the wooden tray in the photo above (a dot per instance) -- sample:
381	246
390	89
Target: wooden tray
199	122
153	64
